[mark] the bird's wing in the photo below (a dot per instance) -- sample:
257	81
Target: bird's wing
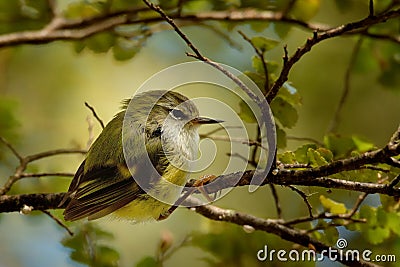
99	192
99	187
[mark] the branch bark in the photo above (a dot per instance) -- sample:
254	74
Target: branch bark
270	226
62	29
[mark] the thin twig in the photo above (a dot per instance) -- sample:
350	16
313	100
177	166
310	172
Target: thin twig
54	152
174	26
53	7
45	174
95	114
58	221
25	161
225	36
323	227
276	200
245	159
295	166
180	6
13	150
267	225
375	168
395	181
244	141
219	128
393	162
288	8
260	54
200	57
304	197
358	203
255	148
346	88
323	215
307	139
319	36
90	123
371	8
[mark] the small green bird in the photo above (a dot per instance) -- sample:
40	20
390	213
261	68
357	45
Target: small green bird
167	122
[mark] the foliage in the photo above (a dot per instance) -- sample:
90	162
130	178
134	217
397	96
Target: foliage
88	247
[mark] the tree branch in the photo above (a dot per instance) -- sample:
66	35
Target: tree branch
318	176
63	29
24	162
267	225
14	203
320	36
346	87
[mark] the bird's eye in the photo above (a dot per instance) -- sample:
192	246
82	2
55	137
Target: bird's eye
178	114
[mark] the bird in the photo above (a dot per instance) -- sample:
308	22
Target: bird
145	148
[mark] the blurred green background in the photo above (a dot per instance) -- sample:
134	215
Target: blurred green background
47	85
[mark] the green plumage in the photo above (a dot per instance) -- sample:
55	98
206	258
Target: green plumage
158	128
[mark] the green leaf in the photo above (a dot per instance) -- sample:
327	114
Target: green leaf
230	245
8	121
331	235
86	247
362	145
101	42
245	113
315	158
280	137
35	9
264	44
368	213
390	204
281	29
290	94
381	217
257	78
257	65
79	10
263	4
353	226
284	112
107	256
344	5
390	77
258	26
365	62
30	12
393	222
118	5
325	153
340	146
287	158
332	206
125	49
79	46
301	153
148	262
305	9
377	235
381	5
166	4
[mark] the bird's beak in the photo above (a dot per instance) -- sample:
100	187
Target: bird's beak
202	120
